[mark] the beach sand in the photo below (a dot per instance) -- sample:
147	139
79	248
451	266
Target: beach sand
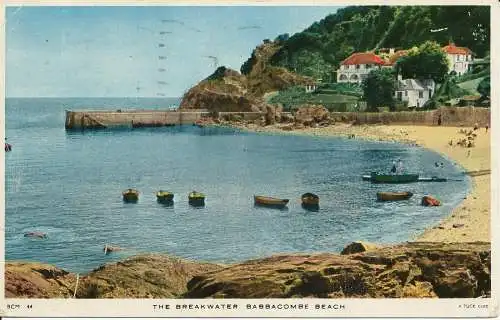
470	221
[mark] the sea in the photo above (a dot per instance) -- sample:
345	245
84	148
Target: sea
69	185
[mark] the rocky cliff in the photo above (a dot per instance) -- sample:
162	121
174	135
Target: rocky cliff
145	276
417	269
228	90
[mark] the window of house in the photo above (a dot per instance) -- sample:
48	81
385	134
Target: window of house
420	94
406	93
358	66
368	66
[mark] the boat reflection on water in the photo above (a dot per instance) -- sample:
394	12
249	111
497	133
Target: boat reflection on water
310	207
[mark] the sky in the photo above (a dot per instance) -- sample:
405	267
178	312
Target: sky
136	51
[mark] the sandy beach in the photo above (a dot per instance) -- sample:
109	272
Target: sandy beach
470	221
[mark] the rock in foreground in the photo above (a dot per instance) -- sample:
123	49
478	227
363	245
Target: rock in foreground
418	269
408	270
145	276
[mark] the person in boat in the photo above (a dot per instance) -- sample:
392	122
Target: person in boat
399	167
393	169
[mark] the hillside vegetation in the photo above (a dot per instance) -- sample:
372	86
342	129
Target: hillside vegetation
316	53
318	50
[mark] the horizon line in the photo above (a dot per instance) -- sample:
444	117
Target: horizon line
93	97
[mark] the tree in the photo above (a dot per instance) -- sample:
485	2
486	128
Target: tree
282	38
484	87
378	89
425	62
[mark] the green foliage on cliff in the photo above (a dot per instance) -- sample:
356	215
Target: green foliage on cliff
378	88
319	49
295	96
484	87
426	61
447	91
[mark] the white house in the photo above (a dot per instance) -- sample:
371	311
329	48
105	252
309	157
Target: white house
416	92
310	88
459	58
357	66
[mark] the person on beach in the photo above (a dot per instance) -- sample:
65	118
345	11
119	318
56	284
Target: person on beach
486	127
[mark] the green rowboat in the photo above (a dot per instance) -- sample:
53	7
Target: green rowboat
393	178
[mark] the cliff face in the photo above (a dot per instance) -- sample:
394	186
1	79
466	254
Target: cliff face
409	270
228	90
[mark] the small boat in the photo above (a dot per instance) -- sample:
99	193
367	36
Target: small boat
36	234
432	179
8	147
130	195
164	196
310	199
393	178
270	202
108	249
196	199
368	177
393	196
429	201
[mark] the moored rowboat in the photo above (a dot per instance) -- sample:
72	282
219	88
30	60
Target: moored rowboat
270	202
393	178
164	196
130	195
196	198
394	196
310	199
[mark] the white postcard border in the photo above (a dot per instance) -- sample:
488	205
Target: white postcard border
351	307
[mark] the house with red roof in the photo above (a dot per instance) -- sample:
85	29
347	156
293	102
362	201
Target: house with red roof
357	66
459	58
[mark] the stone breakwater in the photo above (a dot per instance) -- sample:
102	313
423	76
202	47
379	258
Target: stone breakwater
414	269
130	118
305	116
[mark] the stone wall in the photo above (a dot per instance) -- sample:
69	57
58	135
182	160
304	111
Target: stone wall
450	116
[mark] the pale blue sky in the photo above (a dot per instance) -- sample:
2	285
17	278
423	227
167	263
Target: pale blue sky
114	51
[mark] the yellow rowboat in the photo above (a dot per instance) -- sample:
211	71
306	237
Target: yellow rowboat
270	202
130	195
164	197
196	199
394	196
310	201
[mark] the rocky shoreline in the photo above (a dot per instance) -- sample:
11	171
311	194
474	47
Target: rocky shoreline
413	269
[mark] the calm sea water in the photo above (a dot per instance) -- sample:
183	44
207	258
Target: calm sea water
69	185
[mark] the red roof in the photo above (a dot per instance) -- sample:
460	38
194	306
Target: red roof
398	54
452	49
363	58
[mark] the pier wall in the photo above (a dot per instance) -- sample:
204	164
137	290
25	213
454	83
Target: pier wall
107	119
